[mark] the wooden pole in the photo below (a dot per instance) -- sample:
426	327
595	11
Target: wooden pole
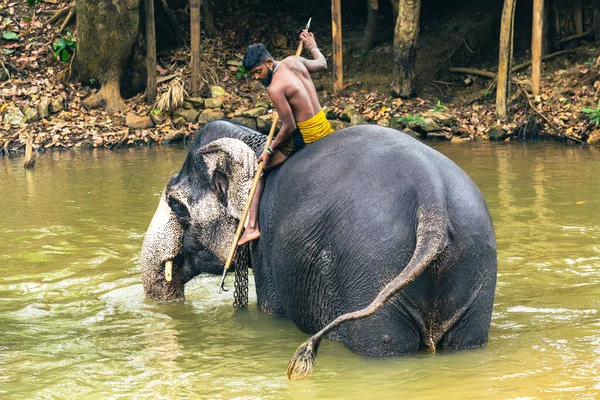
195	45
373	10
150	53
504	58
536	46
338	60
29	159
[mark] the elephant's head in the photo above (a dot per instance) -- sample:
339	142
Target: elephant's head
197	216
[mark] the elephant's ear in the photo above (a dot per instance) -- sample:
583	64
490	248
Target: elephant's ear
231	167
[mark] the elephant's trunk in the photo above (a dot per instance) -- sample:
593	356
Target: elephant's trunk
162	244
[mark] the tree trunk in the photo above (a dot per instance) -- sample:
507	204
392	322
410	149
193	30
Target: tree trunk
536	45
195	46
373	9
209	20
597	19
406	34
578	15
395	6
564	24
505	58
106	33
338	60
150	52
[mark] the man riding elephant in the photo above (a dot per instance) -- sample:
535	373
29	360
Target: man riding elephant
293	93
368	237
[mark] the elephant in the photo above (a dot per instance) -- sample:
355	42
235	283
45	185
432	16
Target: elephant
369	237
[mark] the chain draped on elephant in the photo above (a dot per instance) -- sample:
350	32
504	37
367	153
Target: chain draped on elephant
369	237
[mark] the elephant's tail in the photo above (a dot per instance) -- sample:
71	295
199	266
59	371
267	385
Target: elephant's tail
432	238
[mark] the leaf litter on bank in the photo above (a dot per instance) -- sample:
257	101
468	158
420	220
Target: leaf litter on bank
27	47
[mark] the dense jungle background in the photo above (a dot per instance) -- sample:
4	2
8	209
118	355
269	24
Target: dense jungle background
65	83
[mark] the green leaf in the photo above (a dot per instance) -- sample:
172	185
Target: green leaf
60	44
8	51
64	56
588	110
8	35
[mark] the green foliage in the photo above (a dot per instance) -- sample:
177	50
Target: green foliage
155	111
593	115
407	119
32	2
8	35
241	72
64	47
363	55
439	106
485	93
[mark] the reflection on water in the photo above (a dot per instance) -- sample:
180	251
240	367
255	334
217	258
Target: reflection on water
75	322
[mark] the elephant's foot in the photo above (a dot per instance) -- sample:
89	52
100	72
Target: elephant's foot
249	235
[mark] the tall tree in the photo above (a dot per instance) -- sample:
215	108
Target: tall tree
106	33
406	34
505	58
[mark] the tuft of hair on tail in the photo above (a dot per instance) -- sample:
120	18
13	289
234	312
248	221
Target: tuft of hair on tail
303	360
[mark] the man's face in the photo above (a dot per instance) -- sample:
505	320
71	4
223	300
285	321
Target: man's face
263	72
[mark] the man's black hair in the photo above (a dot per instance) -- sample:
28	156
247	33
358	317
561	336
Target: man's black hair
256	54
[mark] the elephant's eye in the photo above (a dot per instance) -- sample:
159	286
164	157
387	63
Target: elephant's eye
180	210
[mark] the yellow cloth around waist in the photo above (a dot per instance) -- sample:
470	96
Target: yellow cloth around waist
315	128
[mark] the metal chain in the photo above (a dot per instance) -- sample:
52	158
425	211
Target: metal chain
241	264
256	141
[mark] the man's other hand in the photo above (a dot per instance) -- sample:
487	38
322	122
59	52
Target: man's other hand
264	158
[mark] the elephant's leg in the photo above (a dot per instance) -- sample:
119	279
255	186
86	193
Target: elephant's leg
472	324
388	332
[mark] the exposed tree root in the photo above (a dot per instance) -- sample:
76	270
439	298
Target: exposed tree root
538	112
109	98
492	75
69	10
66	21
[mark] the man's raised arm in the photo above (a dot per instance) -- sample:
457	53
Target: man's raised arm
318	63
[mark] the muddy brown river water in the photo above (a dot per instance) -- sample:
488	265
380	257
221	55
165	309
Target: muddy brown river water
74	322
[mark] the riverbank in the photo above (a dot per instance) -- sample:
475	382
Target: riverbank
37	99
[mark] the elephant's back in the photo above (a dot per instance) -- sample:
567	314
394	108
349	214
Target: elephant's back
375	153
376	172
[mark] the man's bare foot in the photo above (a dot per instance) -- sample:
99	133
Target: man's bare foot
248	236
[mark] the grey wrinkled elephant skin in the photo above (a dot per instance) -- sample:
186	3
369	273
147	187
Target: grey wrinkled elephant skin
367	230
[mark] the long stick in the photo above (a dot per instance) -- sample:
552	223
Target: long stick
252	192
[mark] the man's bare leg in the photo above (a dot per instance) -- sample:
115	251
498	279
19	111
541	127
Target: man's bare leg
252	232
